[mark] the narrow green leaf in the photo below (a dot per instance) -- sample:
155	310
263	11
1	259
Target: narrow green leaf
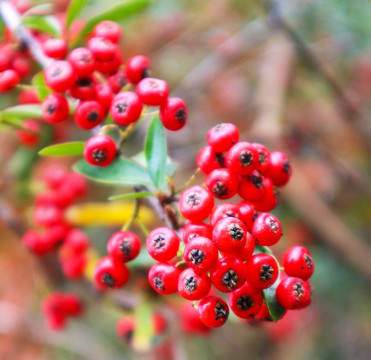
171	165
128	196
73	148
156	153
262	249
74	9
22	111
120	172
47	24
40	86
275	309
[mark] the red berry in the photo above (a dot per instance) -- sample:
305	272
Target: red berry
262	271
29	138
229	234
104	95
208	160
223	210
213	311
89	114
73	268
100	150
83	89
34	242
247	251
264	154
247	214
28	96
192	285
55	48
229	274
196	203
75	185
222	137
280	168
77	241
72	305
117	81
110	66
190	321
109	30
47	215
8	80
298	262
124	246
153	92
125	328
269	200
162	244
242	158
82	61
54	108
246	301
251	187
267	230
159	323
137	68
192	230
59	76
6	57
102	49
109	273
126	108
21	66
200	254
293	293
263	314
163	277
173	114
222	183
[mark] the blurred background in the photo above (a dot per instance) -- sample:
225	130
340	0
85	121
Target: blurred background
295	75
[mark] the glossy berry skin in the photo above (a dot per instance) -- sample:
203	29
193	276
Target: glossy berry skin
117	81
104	95
123	246
223	210
163	277
293	293
222	183
109	273
21	66
298	262
264	165
229	234
73	268
8	80
54	108
77	241
101	48
251	187
196	203
192	230
125	327
229	274
269	200
246	301
29	138
36	243
193	286
190	321
59	76
246	252
153	92
247	214
47	215
82	61
137	68
84	88
126	108
109	30
267	230
213	311
162	244
262	271
280	168
111	66
55	48
89	114
242	158
173	114
208	160
222	137
100	150
200	254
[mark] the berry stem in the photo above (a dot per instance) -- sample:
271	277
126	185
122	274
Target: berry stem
189	181
135	214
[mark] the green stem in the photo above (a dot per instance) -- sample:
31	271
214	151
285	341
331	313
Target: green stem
188	182
131	221
142	226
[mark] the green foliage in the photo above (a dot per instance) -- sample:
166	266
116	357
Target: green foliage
74	9
47	24
40	86
73	148
21	112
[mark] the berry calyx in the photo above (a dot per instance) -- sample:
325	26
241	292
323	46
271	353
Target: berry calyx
153	92
54	108
137	68
109	273
262	271
88	114
200	254
193	285
123	246
59	76
100	150
267	229
222	183
298	262
229	234
162	244
126	108
163	277
173	114
222	137
246	301
213	311
293	293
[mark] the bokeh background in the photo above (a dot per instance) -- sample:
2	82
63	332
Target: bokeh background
295	75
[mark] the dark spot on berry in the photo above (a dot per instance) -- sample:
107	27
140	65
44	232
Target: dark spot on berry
50	109
157	281
57	72
158	241
220	311
125	247
219	127
308	260
230	279
193	199
153	84
246	158
257	180
272	224
98	155
230	213
191	236
121	81
196	256
245	302
190	284
145	73
181	115
108	280
220	189
255	215
298	290
262	156
236	232
266	272
93	116
219	157
286	167
84	82
121	106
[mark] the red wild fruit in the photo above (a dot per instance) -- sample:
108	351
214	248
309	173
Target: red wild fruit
222	137
193	285
269	200
173	114
247	214
251	187
213	311
8	80
84	88
208	160
55	48
21	66
77	241
223	210
109	273
163	277
200	254
89	114
73	268
100	150
242	158
192	230
126	108
35	243
117	81
109	67
229	235
153	92
293	293
102	49
54	108
104	95
59	76
47	215
108	30
222	183
262	271
247	251
162	244
190	321
267	230
30	136
280	168
137	68
123	246
82	61
298	262
246	301
264	153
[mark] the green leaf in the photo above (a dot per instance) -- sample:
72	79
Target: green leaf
121	172
73	148
74	9
275	309
117	12
144	330
156	153
47	24
40	86
22	111
171	165
262	249
134	195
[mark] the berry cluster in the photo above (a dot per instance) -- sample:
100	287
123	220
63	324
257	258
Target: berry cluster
57	307
63	189
221	252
